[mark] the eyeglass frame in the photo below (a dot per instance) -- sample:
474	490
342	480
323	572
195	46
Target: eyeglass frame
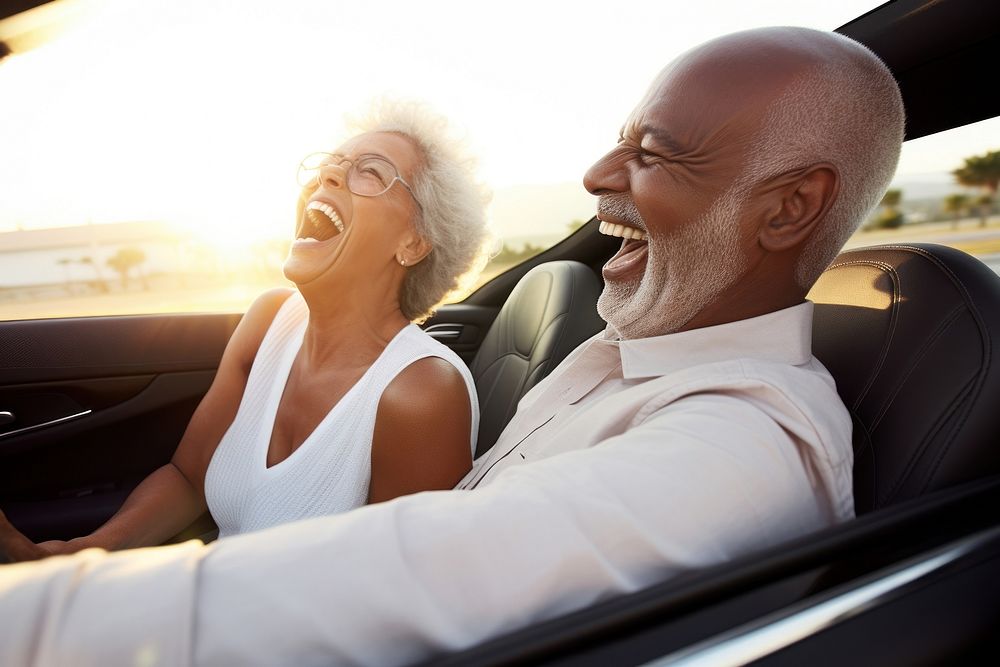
354	162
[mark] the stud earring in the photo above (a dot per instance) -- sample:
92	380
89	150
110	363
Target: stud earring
402	262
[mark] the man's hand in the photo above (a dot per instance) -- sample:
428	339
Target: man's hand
14	546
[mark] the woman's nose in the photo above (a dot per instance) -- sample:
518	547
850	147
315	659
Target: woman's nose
333	175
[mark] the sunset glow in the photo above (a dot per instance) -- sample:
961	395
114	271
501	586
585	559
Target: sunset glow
198	112
193	115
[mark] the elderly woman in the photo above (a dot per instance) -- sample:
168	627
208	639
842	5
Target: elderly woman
330	397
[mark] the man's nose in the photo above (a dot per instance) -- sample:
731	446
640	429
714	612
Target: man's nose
606	175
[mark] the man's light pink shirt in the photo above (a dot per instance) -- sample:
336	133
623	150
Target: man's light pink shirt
776	411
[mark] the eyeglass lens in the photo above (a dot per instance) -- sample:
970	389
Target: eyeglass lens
367	176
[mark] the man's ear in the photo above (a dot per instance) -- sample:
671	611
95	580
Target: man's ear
797	202
412	250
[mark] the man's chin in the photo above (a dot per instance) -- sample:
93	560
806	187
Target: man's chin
632	316
620	312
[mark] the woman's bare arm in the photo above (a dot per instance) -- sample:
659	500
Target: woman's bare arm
421	438
173	496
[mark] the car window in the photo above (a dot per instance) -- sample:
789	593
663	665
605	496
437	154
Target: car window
945	192
150	149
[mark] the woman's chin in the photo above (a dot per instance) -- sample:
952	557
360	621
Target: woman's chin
299	271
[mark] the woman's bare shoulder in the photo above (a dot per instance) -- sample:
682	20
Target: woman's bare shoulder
266	306
422	431
428	396
250	332
427	386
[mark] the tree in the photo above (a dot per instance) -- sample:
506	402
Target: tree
65	262
956	204
125	260
891	198
981	171
889	217
984	204
575	225
99	283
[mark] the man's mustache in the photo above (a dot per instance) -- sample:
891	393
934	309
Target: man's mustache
620	206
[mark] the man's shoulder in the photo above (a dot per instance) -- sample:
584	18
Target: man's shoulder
809	385
800	399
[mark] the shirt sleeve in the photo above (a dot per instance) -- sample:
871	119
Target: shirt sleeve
700	481
95	608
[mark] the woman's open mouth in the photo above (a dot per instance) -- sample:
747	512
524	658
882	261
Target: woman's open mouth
631	258
320	224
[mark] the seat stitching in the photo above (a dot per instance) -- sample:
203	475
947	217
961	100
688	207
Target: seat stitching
569	308
916	358
986	341
893	319
941	420
493	385
545	309
980	379
936	463
867	448
554	322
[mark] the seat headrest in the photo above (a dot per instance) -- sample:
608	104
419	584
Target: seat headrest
911	334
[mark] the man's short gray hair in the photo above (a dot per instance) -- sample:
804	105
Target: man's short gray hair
846	111
452	215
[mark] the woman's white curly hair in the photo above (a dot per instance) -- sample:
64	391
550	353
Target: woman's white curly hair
453	203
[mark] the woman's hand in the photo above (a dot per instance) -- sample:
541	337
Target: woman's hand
14	546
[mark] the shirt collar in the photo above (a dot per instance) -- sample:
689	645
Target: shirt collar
782	336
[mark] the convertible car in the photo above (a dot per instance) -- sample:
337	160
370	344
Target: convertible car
911	332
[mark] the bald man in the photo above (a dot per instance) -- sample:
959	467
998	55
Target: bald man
697	428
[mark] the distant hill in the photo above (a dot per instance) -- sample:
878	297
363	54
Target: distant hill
927	186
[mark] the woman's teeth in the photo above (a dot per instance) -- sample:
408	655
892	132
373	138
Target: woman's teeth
623	231
328	211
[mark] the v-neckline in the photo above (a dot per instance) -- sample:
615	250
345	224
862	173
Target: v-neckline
290	352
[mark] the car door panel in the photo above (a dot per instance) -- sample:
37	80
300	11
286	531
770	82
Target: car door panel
130	385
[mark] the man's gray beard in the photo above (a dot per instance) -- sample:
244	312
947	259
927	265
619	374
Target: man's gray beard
619	206
685	272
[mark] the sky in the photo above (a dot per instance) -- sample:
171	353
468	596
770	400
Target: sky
198	111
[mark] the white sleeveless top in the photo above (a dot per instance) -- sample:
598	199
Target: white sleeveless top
331	470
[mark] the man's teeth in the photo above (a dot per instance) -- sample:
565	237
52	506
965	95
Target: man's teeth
622	231
328	211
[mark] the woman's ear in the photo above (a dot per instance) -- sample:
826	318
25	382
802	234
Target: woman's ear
798	203
413	250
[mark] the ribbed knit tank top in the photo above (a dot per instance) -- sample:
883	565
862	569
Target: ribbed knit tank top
331	470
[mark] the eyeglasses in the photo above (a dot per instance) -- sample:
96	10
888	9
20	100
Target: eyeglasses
368	175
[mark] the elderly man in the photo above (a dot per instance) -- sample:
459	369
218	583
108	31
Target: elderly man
698	427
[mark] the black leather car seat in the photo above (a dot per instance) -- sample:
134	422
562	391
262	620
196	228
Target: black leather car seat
911	333
551	310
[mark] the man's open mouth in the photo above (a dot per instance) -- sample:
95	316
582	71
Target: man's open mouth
631	256
623	231
321	222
